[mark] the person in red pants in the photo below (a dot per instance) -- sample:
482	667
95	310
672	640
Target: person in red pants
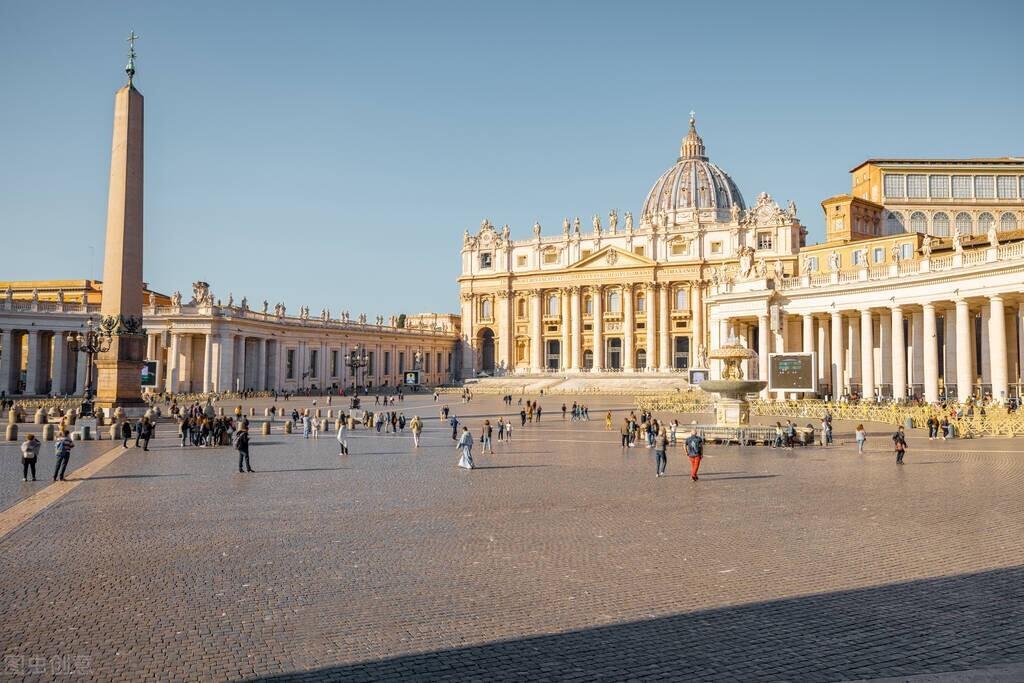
695	451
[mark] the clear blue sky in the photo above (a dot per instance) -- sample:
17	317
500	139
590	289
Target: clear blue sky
331	154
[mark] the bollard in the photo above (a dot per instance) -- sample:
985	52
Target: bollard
337	425
12	432
12	416
99	418
266	428
287	427
252	412
40	417
48	432
266	412
114	431
220	411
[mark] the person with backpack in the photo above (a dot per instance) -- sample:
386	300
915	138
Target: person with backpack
242	445
416	427
63	451
695	451
29	454
660	448
899	442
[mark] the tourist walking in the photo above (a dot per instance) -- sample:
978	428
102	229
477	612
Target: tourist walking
485	438
695	451
826	432
899	442
29	454
145	432
466	444
126	433
63	451
861	437
342	443
454	423
660	446
242	444
416	426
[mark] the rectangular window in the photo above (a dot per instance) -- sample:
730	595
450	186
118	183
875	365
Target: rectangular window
917	186
639	251
961	187
678	249
1006	186
859	257
550	257
812	264
764	240
520	261
485	260
586	253
439	361
387	362
984	187
401	362
907	252
716	247
878	255
426	360
289	364
448	364
938	186
894	185
838	224
314	356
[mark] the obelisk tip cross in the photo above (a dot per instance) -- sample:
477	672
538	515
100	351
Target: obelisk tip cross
130	69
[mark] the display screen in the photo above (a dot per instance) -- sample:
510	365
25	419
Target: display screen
149	373
792	372
411	378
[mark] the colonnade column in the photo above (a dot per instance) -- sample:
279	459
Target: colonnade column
997	348
899	356
577	328
763	349
838	356
261	365
885	347
931	355
208	363
964	356
173	363
867	354
59	363
468	360
824	355
565	308
597	296
628	326
6	366
536	332
663	314
808	333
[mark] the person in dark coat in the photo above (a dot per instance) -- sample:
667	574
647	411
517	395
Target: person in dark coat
899	442
695	451
242	444
126	433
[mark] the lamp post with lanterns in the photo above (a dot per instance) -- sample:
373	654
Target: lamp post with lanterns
92	342
357	360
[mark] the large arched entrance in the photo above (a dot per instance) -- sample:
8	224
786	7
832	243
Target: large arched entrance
485	342
613	353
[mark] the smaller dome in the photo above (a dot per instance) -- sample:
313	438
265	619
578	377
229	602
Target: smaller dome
693	182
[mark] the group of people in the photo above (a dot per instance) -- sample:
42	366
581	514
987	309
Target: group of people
30	448
578	412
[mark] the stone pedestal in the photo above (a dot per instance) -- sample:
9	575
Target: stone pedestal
119	373
732	412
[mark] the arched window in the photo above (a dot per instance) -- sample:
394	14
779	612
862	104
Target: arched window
918	222
641	359
940	225
521	308
985	221
588	359
485	309
553	304
614	302
893	223
964	224
682	300
588	306
1007	222
641	303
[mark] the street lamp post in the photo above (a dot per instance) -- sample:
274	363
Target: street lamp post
357	360
92	342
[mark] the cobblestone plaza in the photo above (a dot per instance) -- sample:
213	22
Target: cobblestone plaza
561	556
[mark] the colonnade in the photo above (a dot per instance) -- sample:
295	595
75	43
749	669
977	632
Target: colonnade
950	349
39	361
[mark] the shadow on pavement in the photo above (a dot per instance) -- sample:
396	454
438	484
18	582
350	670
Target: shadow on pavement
928	626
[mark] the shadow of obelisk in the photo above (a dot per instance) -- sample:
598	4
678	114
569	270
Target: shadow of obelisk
119	370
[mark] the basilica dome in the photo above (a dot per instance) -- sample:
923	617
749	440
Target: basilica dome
692	183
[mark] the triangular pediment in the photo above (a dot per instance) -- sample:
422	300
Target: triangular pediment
612	257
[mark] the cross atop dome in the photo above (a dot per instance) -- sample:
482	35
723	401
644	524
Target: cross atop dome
693	146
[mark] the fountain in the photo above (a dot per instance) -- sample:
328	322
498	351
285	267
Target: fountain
731	407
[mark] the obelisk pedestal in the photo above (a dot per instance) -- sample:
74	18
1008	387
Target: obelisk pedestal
119	370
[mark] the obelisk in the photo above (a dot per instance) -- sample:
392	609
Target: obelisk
119	370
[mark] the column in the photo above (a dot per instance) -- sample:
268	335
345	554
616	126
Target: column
150	347
838	356
931	354
536	332
779	341
899	356
917	343
885	349
696	320
208	362
597	294
173	363
763	348
867	354
824	356
663	314
261	364
566	309
577	329
949	358
986	349
505	331
808	332
81	368
468	358
59	362
6	366
628	327
997	348
225	362
853	348
34	367
965	355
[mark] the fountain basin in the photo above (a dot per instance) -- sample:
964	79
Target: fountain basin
733	388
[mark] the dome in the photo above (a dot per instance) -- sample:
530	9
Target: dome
692	183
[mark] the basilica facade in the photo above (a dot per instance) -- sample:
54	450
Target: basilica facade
626	296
